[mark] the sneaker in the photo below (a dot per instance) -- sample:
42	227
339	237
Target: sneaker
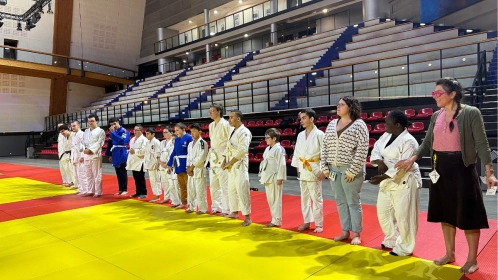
118	193
124	193
134	195
142	196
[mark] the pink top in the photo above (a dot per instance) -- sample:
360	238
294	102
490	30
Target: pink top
444	139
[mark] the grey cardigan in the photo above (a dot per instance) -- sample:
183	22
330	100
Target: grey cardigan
473	141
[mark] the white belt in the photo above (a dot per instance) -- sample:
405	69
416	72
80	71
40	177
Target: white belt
117	146
177	158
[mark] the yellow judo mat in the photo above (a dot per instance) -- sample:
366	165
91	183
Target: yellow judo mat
20	189
136	240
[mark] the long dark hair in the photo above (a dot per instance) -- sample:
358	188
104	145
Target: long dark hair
452	85
354	107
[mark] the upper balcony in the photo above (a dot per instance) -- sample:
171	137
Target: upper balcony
224	18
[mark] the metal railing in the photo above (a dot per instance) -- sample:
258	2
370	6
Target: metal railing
68	62
403	75
240	18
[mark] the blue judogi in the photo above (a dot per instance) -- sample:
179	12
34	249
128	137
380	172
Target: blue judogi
116	148
179	154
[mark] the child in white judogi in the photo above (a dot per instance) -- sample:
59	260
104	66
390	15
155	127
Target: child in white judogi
166	148
196	185
77	158
93	139
272	171
174	188
151	163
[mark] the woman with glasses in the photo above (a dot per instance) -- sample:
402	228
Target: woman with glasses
344	151
455	138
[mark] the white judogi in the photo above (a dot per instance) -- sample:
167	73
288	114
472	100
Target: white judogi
94	140
218	178
77	148
238	176
307	160
399	196
63	146
196	185
273	168
135	161
169	191
152	152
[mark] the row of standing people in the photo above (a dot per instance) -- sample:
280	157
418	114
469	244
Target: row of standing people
337	155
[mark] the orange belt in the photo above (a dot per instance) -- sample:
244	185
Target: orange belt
306	162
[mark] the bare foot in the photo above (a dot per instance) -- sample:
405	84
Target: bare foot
272	225
445	260
179	206
469	267
344	235
163	201
188	211
200	212
234	215
246	222
318	230
304	226
356	240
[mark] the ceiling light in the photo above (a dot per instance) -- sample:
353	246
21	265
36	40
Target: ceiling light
189	21
215	12
375	71
325	10
430	64
356	25
186	53
245	35
215	45
314	73
226	47
240	1
469	30
351	76
55	62
184	61
422	24
463	59
388	19
212	33
403	67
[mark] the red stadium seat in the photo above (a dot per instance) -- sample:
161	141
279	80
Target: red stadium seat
375	116
410	113
416	127
379	129
333	117
323	128
369	127
251	157
277	122
363	116
425	113
203	134
322	120
385	116
371	143
205	126
244	123
251	124
258	157
262	145
285	143
287	132
368	164
269	123
260	123
289	159
296	122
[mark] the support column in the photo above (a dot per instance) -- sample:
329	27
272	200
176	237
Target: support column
63	21
161	62
273	29
208	33
375	9
273	6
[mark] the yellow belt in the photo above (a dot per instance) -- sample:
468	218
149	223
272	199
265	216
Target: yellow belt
306	162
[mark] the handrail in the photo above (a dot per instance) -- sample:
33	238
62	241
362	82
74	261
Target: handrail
299	73
68	57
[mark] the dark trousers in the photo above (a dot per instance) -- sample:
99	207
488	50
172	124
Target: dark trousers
122	177
139	177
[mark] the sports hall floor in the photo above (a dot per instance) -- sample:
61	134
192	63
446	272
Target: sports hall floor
47	232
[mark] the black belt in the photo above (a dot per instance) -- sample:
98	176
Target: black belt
67	152
449	153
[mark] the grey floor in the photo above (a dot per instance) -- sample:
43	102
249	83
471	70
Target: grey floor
291	186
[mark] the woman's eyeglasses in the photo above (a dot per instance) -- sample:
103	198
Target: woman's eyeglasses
437	93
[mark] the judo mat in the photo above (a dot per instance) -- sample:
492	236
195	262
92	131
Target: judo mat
65	236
